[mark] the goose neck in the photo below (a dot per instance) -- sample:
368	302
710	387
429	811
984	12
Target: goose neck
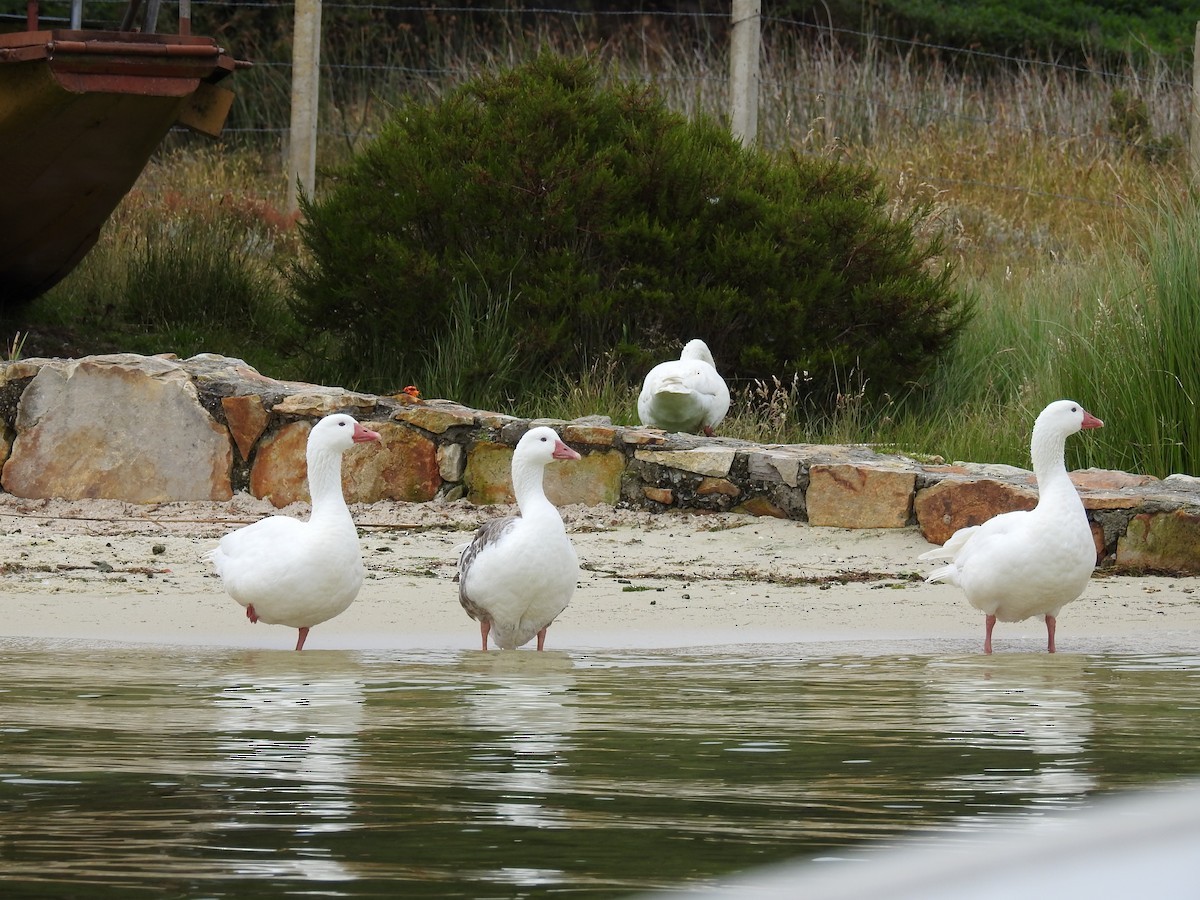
1047	451
325	482
528	488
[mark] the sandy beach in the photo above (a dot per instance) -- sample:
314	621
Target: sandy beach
105	572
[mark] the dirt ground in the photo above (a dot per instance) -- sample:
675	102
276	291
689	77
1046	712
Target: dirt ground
104	572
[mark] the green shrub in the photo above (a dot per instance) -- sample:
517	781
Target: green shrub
622	228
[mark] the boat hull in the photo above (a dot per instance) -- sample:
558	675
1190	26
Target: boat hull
80	115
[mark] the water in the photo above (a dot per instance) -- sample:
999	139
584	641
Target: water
207	773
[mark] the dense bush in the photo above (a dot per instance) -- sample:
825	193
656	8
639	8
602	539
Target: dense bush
620	227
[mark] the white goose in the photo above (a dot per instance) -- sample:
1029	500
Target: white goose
518	572
685	394
294	573
1029	562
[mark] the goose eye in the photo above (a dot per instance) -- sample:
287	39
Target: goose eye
1074	409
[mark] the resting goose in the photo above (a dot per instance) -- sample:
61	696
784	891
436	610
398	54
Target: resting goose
685	394
1029	562
518	573
294	573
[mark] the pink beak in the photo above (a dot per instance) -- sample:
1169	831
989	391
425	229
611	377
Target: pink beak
562	451
1090	421
363	435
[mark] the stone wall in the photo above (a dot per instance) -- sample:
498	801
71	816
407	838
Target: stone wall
159	429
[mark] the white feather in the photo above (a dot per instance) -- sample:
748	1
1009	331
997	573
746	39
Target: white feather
1028	562
685	394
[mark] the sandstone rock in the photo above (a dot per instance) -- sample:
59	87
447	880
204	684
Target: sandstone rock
436	416
945	469
219	377
1182	482
761	506
247	418
856	496
495	419
709	486
1096	500
318	402
591	481
19	369
594	479
999	472
119	427
401	466
641	437
591	435
488	473
1167	541
1108	480
1100	541
713	461
279	472
452	460
234	373
665	496
953	504
776	466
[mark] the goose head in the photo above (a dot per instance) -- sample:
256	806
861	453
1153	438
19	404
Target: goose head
1065	417
1053	426
541	446
339	432
698	350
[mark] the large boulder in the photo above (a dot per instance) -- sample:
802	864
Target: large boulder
120	427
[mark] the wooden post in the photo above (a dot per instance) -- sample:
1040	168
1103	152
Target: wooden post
302	136
1194	130
743	70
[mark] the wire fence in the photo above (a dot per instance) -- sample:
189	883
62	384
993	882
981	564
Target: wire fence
819	85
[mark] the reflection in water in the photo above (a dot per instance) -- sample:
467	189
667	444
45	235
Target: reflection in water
521	774
298	729
521	715
1031	710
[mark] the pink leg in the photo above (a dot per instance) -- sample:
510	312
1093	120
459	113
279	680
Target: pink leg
990	623
542	638
709	432
250	613
484	628
300	639
1050	626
